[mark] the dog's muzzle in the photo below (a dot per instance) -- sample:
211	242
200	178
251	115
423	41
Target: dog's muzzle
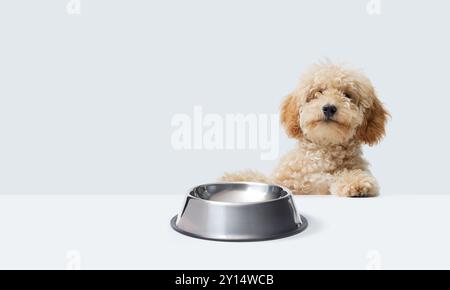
329	111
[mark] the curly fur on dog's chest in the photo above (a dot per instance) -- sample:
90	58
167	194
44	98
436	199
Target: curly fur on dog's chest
312	158
310	168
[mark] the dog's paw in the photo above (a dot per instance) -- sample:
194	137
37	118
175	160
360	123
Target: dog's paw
355	183
357	190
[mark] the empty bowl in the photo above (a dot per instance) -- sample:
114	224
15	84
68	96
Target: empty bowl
239	211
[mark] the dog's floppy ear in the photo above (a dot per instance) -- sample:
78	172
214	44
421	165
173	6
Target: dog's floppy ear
372	129
290	116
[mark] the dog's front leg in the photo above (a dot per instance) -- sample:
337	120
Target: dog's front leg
299	183
354	183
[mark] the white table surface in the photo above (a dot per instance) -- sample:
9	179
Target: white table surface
133	232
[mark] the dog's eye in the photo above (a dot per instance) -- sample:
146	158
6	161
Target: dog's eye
347	95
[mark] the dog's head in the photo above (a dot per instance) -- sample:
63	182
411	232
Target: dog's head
334	105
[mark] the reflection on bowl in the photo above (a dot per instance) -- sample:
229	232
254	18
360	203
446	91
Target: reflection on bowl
239	212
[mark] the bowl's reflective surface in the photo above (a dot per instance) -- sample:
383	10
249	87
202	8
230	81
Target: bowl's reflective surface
239	212
238	192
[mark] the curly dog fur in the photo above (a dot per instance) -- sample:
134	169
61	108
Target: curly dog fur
332	112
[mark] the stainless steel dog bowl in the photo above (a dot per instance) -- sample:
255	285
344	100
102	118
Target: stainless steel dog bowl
239	212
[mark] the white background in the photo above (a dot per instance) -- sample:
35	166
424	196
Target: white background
133	232
86	100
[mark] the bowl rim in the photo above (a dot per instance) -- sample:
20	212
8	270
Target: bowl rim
228	203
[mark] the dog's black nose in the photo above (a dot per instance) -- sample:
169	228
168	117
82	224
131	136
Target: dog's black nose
329	111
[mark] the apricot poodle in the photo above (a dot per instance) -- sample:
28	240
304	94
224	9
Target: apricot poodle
332	112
